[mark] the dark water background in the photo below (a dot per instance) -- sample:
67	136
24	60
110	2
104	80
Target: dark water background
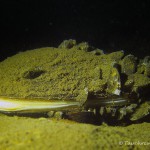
110	25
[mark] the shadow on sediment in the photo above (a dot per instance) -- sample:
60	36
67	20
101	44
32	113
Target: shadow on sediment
87	118
90	118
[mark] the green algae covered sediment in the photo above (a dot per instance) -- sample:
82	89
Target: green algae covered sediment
28	133
61	73
53	73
